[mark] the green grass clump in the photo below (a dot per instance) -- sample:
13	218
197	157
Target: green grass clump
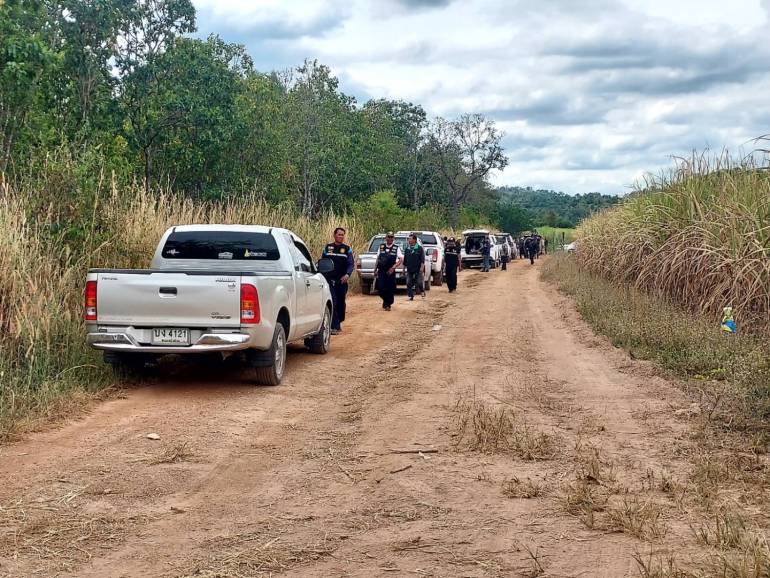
554	235
731	370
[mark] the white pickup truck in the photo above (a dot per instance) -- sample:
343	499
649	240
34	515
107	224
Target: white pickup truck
226	289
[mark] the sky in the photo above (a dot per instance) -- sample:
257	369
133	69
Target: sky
591	94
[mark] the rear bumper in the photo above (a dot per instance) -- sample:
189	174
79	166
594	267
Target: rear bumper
208	342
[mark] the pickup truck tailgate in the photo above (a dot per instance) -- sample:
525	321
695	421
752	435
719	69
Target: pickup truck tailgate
158	299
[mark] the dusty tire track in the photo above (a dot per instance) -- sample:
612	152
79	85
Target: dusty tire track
300	480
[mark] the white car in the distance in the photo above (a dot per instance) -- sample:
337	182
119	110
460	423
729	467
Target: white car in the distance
470	254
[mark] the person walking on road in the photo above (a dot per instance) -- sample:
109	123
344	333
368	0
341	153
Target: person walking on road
531	246
486	250
389	258
414	263
342	257
452	263
505	251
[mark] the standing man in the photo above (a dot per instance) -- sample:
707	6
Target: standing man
452	263
505	250
414	263
531	246
522	252
486	249
389	258
342	257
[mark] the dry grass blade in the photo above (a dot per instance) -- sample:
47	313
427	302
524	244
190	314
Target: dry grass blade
170	454
485	428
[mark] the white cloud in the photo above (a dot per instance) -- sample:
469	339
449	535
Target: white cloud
591	93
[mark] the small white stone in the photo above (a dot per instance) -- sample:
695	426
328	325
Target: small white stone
153	436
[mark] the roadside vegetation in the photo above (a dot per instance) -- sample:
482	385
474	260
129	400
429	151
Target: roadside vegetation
697	235
728	374
46	370
116	123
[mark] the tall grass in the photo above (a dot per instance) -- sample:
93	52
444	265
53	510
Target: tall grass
46	249
698	235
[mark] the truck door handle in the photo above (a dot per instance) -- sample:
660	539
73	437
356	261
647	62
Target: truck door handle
167	290
307	282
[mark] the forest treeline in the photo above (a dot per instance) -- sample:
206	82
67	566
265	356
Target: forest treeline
555	209
118	90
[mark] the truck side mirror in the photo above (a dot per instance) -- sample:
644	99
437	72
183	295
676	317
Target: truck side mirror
325	265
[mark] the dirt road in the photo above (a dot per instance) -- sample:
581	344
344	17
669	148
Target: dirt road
527	420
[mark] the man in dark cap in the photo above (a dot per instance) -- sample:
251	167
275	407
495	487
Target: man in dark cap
452	263
389	257
342	257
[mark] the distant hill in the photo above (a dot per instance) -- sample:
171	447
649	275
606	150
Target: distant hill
556	209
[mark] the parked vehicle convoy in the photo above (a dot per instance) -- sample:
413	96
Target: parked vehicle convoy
470	253
433	243
226	289
366	262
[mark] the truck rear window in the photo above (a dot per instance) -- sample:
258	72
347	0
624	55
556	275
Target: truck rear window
221	245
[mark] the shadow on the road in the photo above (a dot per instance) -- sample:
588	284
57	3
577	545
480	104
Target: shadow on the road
208	373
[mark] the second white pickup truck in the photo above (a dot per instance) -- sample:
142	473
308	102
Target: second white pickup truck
229	289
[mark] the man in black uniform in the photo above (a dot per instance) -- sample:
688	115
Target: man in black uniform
342	257
389	258
532	246
452	263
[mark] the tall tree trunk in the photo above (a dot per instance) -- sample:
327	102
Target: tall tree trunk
147	168
454	213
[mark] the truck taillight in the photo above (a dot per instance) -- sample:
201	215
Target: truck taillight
89	313
249	304
358	263
434	257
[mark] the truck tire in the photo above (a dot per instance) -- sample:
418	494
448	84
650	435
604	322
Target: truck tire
321	341
272	373
366	287
438	278
426	284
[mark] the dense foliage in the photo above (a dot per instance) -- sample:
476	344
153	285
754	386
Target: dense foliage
556	209
119	90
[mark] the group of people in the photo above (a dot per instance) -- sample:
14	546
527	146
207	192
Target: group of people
532	246
389	258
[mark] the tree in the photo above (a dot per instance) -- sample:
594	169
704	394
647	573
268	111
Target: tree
466	150
199	151
26	56
317	115
511	218
151	28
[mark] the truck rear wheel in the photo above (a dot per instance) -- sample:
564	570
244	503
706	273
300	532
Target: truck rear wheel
321	341
366	287
275	360
438	278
